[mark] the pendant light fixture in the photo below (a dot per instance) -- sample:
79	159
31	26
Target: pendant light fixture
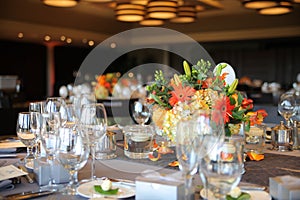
185	14
283	7
162	9
61	3
128	12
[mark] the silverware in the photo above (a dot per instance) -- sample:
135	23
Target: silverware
28	195
28	177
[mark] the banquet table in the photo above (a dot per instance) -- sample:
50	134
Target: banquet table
257	172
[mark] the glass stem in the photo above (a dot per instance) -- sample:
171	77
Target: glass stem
93	152
50	159
73	181
188	185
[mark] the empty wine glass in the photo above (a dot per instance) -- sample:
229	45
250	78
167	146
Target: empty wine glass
73	154
82	99
53	105
287	106
27	129
50	141
93	124
140	112
187	152
221	168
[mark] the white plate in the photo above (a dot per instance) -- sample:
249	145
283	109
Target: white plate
255	194
86	190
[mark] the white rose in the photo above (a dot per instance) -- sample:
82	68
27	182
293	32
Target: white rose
235	192
106	185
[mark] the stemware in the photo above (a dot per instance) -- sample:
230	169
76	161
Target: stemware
140	112
50	140
37	106
73	154
287	106
187	152
93	124
82	99
53	105
28	126
221	168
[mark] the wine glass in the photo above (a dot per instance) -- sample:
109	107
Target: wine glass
53	105
50	141
68	115
28	126
187	152
221	168
37	106
72	153
141	112
93	124
82	99
287	106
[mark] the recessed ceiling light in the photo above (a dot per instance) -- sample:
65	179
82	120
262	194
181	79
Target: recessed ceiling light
91	43
20	35
69	40
47	38
62	38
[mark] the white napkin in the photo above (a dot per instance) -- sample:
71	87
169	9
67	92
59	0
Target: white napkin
290	182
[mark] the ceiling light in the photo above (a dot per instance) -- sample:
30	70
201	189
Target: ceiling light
128	12
258	4
151	22
20	35
98	1
60	3
281	8
47	38
162	9
185	14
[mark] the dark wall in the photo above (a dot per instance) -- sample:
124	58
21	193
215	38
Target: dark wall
268	60
28	62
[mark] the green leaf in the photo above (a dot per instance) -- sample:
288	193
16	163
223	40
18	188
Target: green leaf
99	189
243	196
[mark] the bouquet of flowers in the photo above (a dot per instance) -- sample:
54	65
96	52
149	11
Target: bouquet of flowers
104	85
199	87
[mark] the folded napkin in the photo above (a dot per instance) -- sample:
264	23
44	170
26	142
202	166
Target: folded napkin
8	150
6	185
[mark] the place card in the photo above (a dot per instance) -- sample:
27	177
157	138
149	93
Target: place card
10	171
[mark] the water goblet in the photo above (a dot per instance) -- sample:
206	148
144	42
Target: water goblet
82	99
72	153
93	124
28	126
187	152
140	112
287	107
37	106
221	168
50	141
53	105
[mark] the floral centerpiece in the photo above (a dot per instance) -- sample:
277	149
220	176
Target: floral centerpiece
197	89
104	84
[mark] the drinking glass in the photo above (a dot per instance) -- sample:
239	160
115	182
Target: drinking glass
93	124
53	105
287	107
50	141
140	112
187	152
37	106
28	126
82	99
221	168
72	154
